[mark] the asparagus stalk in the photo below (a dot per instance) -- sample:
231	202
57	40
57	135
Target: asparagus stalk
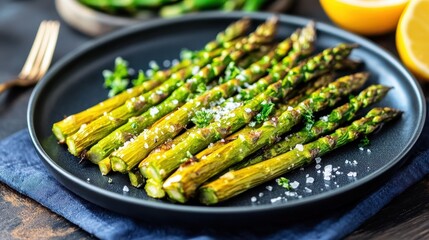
105	166
318	65
102	126
72	123
236	182
136	179
338	116
181	185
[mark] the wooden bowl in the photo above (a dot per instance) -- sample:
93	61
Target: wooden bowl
93	22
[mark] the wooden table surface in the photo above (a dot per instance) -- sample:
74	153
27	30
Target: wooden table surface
22	218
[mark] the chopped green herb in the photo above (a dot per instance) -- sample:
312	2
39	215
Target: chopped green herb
284	182
201	88
116	81
202	118
154	66
187	54
308	118
364	142
231	71
141	78
267	108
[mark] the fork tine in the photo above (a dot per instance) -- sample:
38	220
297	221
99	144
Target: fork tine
52	42
34	72
34	51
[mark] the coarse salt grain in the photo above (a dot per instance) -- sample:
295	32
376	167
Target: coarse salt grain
307	190
294	184
318	159
166	63
299	147
309	180
253	199
269	188
153	111
324	118
125	189
273	200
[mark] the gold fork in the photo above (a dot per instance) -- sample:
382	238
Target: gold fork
39	58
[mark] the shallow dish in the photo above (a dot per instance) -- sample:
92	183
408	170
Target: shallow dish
75	83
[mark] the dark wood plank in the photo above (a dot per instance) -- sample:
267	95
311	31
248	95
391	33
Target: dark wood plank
406	217
23	218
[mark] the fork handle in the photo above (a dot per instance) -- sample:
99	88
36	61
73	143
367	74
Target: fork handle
6	85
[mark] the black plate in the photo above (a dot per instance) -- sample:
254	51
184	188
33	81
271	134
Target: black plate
75	83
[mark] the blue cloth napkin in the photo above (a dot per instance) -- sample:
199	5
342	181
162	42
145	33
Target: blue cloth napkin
21	169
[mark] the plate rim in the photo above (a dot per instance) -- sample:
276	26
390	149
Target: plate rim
220	210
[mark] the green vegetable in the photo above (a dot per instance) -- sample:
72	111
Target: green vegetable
236	182
141	78
364	142
326	124
284	182
117	81
266	110
202	118
170	161
182	184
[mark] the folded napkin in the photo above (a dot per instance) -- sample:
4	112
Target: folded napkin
22	169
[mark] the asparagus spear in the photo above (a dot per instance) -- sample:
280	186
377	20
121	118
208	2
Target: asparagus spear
72	123
102	126
104	166
236	182
137	125
136	179
320	64
328	123
182	184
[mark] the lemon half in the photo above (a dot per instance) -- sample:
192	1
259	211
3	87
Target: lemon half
366	17
412	37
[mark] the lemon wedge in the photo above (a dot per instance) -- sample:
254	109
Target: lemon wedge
366	17
412	37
